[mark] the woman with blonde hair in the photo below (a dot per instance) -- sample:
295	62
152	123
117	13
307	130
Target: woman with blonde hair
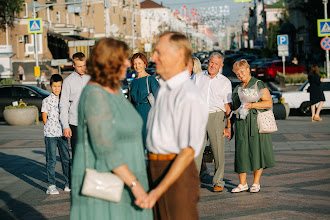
111	130
197	66
316	93
253	151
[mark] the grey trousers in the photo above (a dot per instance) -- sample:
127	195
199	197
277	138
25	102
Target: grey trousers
214	132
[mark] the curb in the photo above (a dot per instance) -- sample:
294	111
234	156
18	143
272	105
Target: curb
274	87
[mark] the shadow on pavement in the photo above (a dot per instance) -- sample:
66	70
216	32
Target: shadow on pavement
25	169
15	209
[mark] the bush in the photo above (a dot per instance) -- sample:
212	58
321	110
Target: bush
8	81
294	78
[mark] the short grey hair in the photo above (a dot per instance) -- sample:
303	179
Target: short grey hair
217	56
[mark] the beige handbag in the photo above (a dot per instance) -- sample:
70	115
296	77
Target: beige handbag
150	97
266	122
107	185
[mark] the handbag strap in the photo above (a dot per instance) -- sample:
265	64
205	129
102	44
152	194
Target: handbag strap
148	85
86	139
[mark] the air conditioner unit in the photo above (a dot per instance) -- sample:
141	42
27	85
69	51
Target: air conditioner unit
21	39
29	49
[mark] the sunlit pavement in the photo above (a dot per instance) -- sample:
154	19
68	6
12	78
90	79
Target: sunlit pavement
297	188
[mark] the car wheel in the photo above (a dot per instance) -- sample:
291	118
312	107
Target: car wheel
305	108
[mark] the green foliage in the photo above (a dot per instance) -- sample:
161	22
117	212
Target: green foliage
8	81
294	78
8	10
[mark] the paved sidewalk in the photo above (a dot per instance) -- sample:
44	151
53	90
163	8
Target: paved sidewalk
297	188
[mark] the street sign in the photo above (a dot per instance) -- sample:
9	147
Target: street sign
242	0
282	39
325	43
59	62
283	53
323	27
147	47
34	25
283	47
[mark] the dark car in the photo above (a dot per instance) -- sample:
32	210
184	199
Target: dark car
29	94
269	70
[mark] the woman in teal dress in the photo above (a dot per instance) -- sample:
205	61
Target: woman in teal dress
253	151
139	88
114	142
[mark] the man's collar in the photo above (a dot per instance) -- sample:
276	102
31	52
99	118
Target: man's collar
216	76
176	80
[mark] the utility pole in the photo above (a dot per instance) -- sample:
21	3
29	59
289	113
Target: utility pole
264	28
35	40
325	2
133	42
107	17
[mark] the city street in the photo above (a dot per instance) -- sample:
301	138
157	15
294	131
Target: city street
297	188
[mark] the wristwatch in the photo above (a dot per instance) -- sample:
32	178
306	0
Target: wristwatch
134	183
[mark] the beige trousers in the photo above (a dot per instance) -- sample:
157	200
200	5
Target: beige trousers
214	132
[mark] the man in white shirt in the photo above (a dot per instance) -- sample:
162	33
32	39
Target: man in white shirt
175	131
216	90
71	91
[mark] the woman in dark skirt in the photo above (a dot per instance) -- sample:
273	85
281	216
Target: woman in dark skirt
316	93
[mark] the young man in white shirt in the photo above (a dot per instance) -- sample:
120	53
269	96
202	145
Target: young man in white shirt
175	131
71	91
216	90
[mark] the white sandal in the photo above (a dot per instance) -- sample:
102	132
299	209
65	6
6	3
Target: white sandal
240	188
255	188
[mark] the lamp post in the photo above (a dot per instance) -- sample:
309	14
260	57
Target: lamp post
325	2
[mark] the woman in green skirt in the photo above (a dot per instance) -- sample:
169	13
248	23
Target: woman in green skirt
253	151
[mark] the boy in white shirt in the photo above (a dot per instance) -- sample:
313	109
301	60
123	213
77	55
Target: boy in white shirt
54	136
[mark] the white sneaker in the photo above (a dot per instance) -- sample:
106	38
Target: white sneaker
67	189
52	190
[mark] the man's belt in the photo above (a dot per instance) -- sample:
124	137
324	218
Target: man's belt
162	156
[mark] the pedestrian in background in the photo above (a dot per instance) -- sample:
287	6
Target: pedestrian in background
21	74
175	133
43	81
141	86
216	91
253	151
197	65
315	92
54	137
72	87
114	138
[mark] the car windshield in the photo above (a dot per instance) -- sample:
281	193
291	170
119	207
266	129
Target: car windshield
40	91
303	86
265	64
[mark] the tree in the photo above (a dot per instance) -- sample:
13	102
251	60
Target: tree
8	10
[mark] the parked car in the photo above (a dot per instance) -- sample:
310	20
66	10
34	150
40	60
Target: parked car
300	99
29	94
256	63
276	95
269	70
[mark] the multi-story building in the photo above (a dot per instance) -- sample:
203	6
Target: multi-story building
67	29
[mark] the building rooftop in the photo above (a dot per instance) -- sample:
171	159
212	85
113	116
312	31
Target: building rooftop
150	4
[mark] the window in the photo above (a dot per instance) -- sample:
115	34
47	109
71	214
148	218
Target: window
5	92
124	20
325	86
114	10
25	10
58	17
81	21
26	39
20	92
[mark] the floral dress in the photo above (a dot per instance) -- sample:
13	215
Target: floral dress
252	150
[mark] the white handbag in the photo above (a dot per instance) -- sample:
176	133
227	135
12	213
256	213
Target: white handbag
266	122
107	185
150	97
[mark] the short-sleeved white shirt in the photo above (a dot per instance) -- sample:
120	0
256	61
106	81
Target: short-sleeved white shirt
216	92
53	127
179	117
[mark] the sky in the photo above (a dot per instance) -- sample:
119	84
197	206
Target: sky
235	8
